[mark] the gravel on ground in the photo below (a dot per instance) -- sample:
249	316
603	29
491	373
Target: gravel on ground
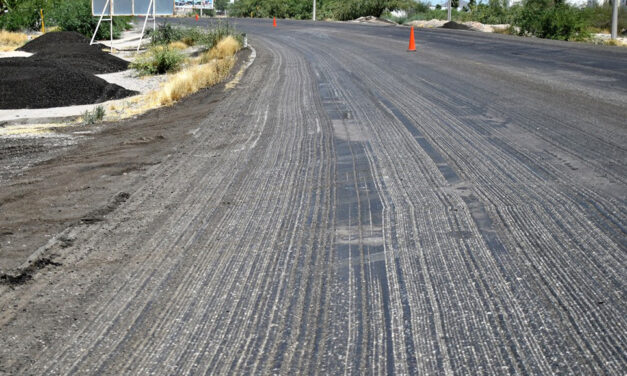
61	72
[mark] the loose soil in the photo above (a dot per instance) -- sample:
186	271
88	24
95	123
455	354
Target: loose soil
86	176
60	73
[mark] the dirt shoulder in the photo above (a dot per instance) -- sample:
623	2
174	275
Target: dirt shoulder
88	173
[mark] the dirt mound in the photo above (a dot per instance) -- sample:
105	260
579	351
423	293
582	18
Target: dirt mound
35	83
455	25
374	20
73	49
427	24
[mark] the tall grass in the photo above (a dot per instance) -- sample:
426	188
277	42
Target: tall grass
227	47
203	74
192	36
193	79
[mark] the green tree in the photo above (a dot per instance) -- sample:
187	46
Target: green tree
24	14
551	19
221	5
75	15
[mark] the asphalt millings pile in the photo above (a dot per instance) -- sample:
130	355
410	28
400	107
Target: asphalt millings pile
456	26
60	73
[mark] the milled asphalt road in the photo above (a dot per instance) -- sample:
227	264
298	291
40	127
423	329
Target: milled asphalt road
354	208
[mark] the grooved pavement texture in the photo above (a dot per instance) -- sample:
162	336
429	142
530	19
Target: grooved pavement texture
364	210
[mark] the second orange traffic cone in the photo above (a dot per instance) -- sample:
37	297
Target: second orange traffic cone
412	43
274	22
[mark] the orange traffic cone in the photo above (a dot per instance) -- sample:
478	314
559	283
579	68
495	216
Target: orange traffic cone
412	43
196	17
274	22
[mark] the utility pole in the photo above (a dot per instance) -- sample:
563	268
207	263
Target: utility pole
449	10
314	10
615	18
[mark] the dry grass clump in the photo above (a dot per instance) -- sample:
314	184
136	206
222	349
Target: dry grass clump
226	47
199	73
204	71
9	41
177	45
193	79
615	42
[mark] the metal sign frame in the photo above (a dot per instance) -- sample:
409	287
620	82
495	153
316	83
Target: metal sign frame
132	7
151	13
109	3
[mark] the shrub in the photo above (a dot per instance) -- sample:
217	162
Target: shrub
191	36
165	34
545	19
94	116
69	15
495	12
75	15
24	14
599	18
158	60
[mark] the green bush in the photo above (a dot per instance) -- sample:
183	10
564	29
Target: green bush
158	60
546	19
94	116
599	18
69	15
23	14
495	12
75	15
166	34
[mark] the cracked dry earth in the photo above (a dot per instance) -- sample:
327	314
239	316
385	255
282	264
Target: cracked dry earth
347	208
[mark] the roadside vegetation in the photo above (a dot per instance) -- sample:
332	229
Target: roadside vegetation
212	62
94	116
158	60
207	70
66	15
552	19
165	56
9	41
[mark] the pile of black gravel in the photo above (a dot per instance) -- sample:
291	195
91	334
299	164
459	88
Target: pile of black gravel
455	25
73	49
60	73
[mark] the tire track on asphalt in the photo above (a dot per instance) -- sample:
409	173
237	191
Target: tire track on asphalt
354	222
381	83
